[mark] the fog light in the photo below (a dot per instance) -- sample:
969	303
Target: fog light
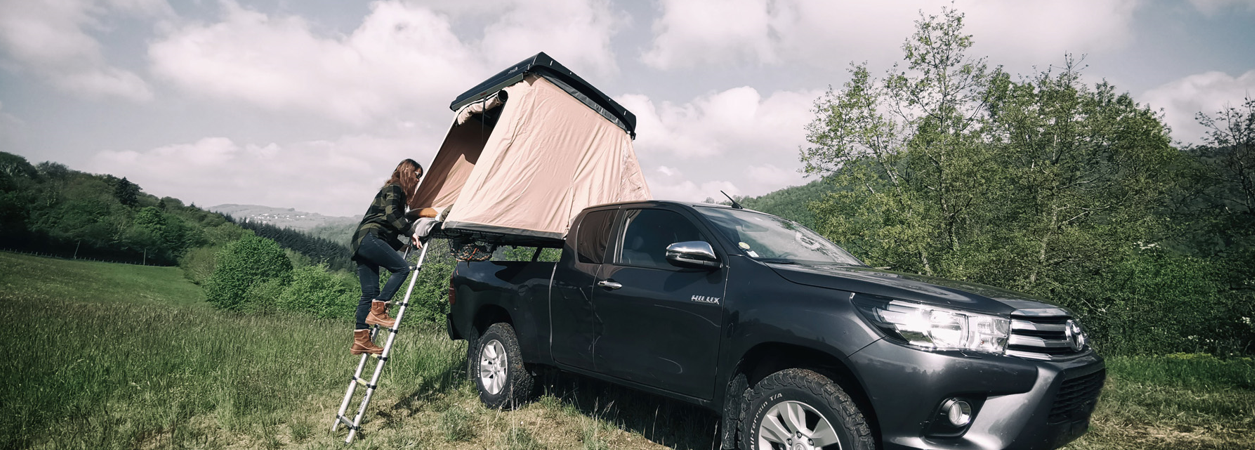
958	411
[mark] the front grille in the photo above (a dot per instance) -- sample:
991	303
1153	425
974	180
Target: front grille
1076	397
1041	337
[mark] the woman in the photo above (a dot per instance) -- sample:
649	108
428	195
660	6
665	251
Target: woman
375	245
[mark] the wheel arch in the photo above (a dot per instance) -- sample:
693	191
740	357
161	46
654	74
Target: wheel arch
767	358
488	315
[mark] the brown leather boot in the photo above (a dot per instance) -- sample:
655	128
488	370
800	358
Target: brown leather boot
362	343
379	315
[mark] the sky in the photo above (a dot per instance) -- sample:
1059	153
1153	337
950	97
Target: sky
310	104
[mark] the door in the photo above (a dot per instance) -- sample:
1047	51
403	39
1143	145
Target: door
571	311
659	323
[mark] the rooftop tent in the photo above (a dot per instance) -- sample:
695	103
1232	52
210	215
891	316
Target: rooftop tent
528	150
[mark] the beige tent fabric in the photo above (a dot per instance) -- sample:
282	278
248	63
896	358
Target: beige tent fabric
548	158
478	108
442	182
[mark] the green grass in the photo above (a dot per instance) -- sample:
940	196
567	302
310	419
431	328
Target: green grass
99	355
97	282
113	367
1175	401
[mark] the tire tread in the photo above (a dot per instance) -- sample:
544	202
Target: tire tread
823	389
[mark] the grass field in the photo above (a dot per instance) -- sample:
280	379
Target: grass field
99	355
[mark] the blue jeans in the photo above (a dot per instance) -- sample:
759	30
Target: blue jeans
371	255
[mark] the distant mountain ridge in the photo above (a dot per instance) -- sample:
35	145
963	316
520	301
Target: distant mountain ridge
282	217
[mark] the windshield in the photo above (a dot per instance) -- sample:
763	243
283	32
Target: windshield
768	238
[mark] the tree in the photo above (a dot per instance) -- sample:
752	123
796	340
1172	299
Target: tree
1228	155
241	265
906	151
126	192
1044	185
1086	173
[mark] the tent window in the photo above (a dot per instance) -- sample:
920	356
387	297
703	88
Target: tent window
593	236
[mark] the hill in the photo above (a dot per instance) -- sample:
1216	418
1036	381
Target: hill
282	217
791	203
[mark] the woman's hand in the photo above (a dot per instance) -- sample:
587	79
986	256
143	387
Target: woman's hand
414	241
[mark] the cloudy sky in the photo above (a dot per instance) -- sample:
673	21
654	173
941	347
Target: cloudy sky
309	104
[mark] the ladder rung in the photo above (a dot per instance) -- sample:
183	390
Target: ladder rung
346	421
363	382
378	357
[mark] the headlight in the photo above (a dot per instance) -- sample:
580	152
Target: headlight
933	328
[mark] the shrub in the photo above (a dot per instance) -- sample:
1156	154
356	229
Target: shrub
263	296
315	291
241	264
198	264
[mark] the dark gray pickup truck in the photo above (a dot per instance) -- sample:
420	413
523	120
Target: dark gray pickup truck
797	344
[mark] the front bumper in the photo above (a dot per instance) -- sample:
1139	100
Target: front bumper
1023	404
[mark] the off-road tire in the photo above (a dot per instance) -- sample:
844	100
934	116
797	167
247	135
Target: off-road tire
518	383
734	403
814	390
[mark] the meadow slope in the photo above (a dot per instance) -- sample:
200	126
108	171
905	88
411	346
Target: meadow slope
102	355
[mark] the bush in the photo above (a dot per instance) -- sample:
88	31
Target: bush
241	264
1156	301
263	297
315	291
198	264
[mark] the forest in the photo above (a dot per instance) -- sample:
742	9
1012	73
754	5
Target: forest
947	166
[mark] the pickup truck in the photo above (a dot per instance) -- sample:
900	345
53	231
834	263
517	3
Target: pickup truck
793	341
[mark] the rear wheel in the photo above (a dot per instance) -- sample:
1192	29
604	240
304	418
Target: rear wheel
497	368
797	409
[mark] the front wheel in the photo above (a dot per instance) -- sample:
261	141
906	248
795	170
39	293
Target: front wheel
797	409
497	368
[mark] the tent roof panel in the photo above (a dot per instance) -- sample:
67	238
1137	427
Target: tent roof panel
542	65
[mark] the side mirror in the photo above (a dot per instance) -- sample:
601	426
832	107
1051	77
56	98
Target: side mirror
697	254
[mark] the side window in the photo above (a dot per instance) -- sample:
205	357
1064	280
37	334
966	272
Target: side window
593	236
647	234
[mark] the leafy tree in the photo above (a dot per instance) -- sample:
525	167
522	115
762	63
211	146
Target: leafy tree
126	192
1231	133
240	265
908	150
1044	185
1084	175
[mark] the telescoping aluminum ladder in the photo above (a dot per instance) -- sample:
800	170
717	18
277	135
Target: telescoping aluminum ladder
382	358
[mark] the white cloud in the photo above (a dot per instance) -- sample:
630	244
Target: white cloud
692	33
1204	92
51	39
688	191
695	147
1212	7
829	34
735	121
771	175
401	58
330	177
580	40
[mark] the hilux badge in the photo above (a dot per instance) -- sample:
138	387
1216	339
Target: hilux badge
1074	335
706	299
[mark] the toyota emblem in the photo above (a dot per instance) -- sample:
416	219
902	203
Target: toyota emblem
1074	335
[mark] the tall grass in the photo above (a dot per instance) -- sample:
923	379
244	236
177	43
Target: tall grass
97	372
1175	401
98	355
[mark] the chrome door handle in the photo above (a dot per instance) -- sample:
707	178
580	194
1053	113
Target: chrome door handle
609	285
